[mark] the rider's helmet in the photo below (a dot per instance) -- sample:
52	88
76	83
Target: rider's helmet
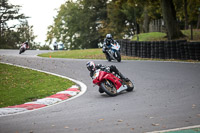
108	39
108	36
90	66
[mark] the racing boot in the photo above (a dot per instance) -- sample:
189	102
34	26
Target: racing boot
100	90
122	77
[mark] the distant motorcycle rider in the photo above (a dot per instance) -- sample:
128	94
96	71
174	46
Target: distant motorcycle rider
91	66
107	43
25	45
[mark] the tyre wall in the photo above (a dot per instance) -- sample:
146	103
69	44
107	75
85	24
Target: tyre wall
179	49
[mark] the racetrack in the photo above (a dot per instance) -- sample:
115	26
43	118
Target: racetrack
166	96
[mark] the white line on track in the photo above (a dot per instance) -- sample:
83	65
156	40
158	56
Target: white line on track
176	129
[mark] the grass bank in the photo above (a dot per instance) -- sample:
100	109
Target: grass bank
81	54
19	85
152	36
159	36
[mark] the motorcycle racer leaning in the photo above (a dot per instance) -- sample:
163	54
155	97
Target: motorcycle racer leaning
91	66
25	45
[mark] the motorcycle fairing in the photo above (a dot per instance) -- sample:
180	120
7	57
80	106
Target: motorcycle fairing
123	87
108	76
115	47
113	79
99	76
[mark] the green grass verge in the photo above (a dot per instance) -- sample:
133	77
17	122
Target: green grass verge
95	54
159	36
82	54
152	36
76	54
196	34
19	85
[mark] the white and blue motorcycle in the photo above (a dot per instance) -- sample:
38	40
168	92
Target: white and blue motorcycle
113	53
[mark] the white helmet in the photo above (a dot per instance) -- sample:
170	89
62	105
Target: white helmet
108	36
90	66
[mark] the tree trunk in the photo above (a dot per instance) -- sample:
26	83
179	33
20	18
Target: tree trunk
0	36
169	15
191	30
146	21
198	22
186	14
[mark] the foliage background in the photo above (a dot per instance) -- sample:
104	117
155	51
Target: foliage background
84	23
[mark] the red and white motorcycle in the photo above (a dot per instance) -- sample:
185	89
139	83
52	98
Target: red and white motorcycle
23	48
111	83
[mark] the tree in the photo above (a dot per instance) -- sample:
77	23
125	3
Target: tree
25	32
193	11
77	24
66	27
12	36
169	15
151	12
116	18
8	12
124	14
186	14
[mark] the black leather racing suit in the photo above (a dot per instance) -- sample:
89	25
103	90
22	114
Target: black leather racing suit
107	44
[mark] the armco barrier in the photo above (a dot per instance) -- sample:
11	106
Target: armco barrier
179	49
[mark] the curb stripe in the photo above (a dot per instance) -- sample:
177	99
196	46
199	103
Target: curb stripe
46	101
72	93
28	106
73	89
10	111
60	96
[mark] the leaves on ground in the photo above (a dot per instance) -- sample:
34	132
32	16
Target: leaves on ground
120	120
155	124
193	106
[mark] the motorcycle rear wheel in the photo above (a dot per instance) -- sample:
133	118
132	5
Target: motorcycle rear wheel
109	88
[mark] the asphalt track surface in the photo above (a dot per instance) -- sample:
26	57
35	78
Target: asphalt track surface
166	96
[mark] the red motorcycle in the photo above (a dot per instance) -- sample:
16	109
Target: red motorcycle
23	48
111	83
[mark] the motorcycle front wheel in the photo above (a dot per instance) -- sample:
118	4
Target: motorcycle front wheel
109	88
21	50
118	56
108	57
